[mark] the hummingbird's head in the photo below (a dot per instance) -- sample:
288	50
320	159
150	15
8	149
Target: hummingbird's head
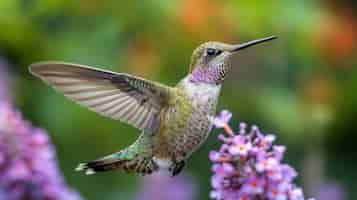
210	61
217	54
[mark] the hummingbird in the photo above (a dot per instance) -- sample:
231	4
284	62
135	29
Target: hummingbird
174	120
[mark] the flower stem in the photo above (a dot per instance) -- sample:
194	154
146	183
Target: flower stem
228	130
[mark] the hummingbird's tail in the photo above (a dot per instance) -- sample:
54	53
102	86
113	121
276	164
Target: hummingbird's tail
136	158
113	162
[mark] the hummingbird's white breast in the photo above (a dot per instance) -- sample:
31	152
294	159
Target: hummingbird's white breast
203	100
186	122
200	93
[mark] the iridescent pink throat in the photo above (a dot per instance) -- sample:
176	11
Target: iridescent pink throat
213	75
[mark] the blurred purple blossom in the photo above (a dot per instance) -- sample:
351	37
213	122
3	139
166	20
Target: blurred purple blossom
160	186
28	165
331	191
249	167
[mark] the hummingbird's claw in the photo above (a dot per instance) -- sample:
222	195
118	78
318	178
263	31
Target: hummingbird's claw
177	168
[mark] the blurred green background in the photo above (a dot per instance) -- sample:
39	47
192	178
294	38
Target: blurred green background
302	87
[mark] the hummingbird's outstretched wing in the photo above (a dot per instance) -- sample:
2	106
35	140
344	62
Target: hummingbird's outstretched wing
120	96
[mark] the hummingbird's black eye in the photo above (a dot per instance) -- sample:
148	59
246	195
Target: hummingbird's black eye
213	52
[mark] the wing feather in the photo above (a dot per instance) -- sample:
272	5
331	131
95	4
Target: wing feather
120	96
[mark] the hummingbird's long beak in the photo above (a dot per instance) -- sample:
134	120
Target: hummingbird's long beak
252	43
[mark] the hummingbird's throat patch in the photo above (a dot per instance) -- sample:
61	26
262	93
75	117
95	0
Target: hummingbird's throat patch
213	75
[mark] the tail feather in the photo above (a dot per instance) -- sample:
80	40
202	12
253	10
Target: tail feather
138	158
137	164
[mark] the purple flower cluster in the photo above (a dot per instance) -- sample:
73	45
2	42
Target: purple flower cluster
28	166
248	166
160	186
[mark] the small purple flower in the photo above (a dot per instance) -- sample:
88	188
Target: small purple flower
240	146
248	166
288	172
296	194
279	152
222	119
266	164
274	194
215	156
28	166
225	169
254	185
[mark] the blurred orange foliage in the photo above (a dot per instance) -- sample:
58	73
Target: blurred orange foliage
337	35
206	19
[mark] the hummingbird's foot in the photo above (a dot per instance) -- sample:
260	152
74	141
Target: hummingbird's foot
177	167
